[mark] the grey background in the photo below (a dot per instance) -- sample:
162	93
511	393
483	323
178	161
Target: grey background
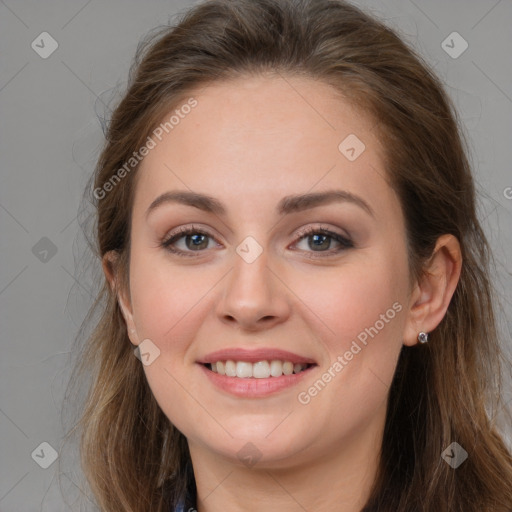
50	136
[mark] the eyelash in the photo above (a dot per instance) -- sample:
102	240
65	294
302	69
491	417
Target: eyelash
344	242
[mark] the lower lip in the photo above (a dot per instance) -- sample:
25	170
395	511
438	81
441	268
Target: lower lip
254	388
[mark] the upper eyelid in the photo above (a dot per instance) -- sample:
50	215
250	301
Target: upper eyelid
308	230
184	230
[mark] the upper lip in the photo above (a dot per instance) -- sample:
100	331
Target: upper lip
254	355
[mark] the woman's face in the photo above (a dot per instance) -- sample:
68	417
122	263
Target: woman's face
295	254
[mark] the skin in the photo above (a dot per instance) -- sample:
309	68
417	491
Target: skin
249	143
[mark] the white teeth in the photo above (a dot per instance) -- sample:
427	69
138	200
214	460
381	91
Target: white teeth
259	370
287	368
230	368
243	369
276	368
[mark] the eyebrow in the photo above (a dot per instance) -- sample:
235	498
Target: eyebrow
289	204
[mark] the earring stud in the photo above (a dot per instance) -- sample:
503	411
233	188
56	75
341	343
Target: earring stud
423	337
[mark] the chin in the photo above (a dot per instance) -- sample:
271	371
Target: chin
262	443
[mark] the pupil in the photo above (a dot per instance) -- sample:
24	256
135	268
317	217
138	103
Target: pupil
322	239
197	240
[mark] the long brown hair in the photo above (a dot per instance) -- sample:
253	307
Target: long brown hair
448	390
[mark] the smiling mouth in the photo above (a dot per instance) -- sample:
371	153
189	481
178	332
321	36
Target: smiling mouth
259	370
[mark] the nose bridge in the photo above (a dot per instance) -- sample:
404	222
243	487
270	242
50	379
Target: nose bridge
252	296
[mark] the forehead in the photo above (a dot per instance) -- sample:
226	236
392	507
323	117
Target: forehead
260	135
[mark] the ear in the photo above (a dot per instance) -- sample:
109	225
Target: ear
110	269
433	292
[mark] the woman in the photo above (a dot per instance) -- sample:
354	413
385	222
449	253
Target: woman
286	221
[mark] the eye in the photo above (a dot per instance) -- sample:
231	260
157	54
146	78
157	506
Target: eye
190	240
321	240
187	240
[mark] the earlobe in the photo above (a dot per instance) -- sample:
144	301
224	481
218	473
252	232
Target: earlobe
109	263
434	290
128	318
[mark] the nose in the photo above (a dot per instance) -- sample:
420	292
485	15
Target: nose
253	298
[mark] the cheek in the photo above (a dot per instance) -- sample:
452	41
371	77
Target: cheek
167	306
361	317
349	299
360	311
165	300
